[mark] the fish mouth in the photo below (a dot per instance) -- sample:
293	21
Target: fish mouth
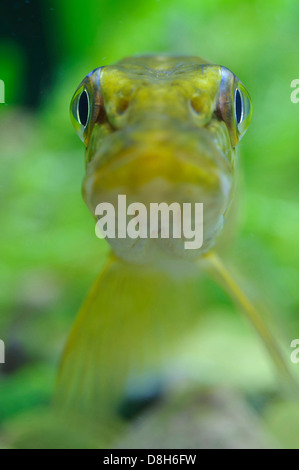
174	163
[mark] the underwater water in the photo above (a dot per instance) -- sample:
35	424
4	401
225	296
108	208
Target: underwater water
50	255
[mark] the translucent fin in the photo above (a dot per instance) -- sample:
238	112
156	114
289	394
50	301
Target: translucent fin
255	318
130	323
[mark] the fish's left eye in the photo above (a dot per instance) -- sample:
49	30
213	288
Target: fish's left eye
238	106
81	111
243	109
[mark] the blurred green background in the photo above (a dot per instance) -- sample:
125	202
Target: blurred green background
49	254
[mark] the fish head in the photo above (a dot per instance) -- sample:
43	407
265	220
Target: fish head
161	129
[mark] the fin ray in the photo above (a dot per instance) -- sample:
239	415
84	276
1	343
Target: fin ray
254	317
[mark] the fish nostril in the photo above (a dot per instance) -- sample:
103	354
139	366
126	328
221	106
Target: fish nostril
122	105
196	104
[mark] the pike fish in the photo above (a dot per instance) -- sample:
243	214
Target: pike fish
157	129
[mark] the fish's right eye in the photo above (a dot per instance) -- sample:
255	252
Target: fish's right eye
81	111
86	105
83	108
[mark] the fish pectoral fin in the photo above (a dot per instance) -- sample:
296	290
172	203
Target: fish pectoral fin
216	267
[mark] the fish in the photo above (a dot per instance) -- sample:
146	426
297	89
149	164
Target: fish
157	129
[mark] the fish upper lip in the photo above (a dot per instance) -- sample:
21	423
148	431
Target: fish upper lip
113	165
114	156
114	177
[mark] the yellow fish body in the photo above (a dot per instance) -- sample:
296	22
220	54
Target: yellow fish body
156	129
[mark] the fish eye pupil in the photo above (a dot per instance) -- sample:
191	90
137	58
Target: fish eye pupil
83	108
238	106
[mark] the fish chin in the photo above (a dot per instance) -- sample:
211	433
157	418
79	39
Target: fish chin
153	246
